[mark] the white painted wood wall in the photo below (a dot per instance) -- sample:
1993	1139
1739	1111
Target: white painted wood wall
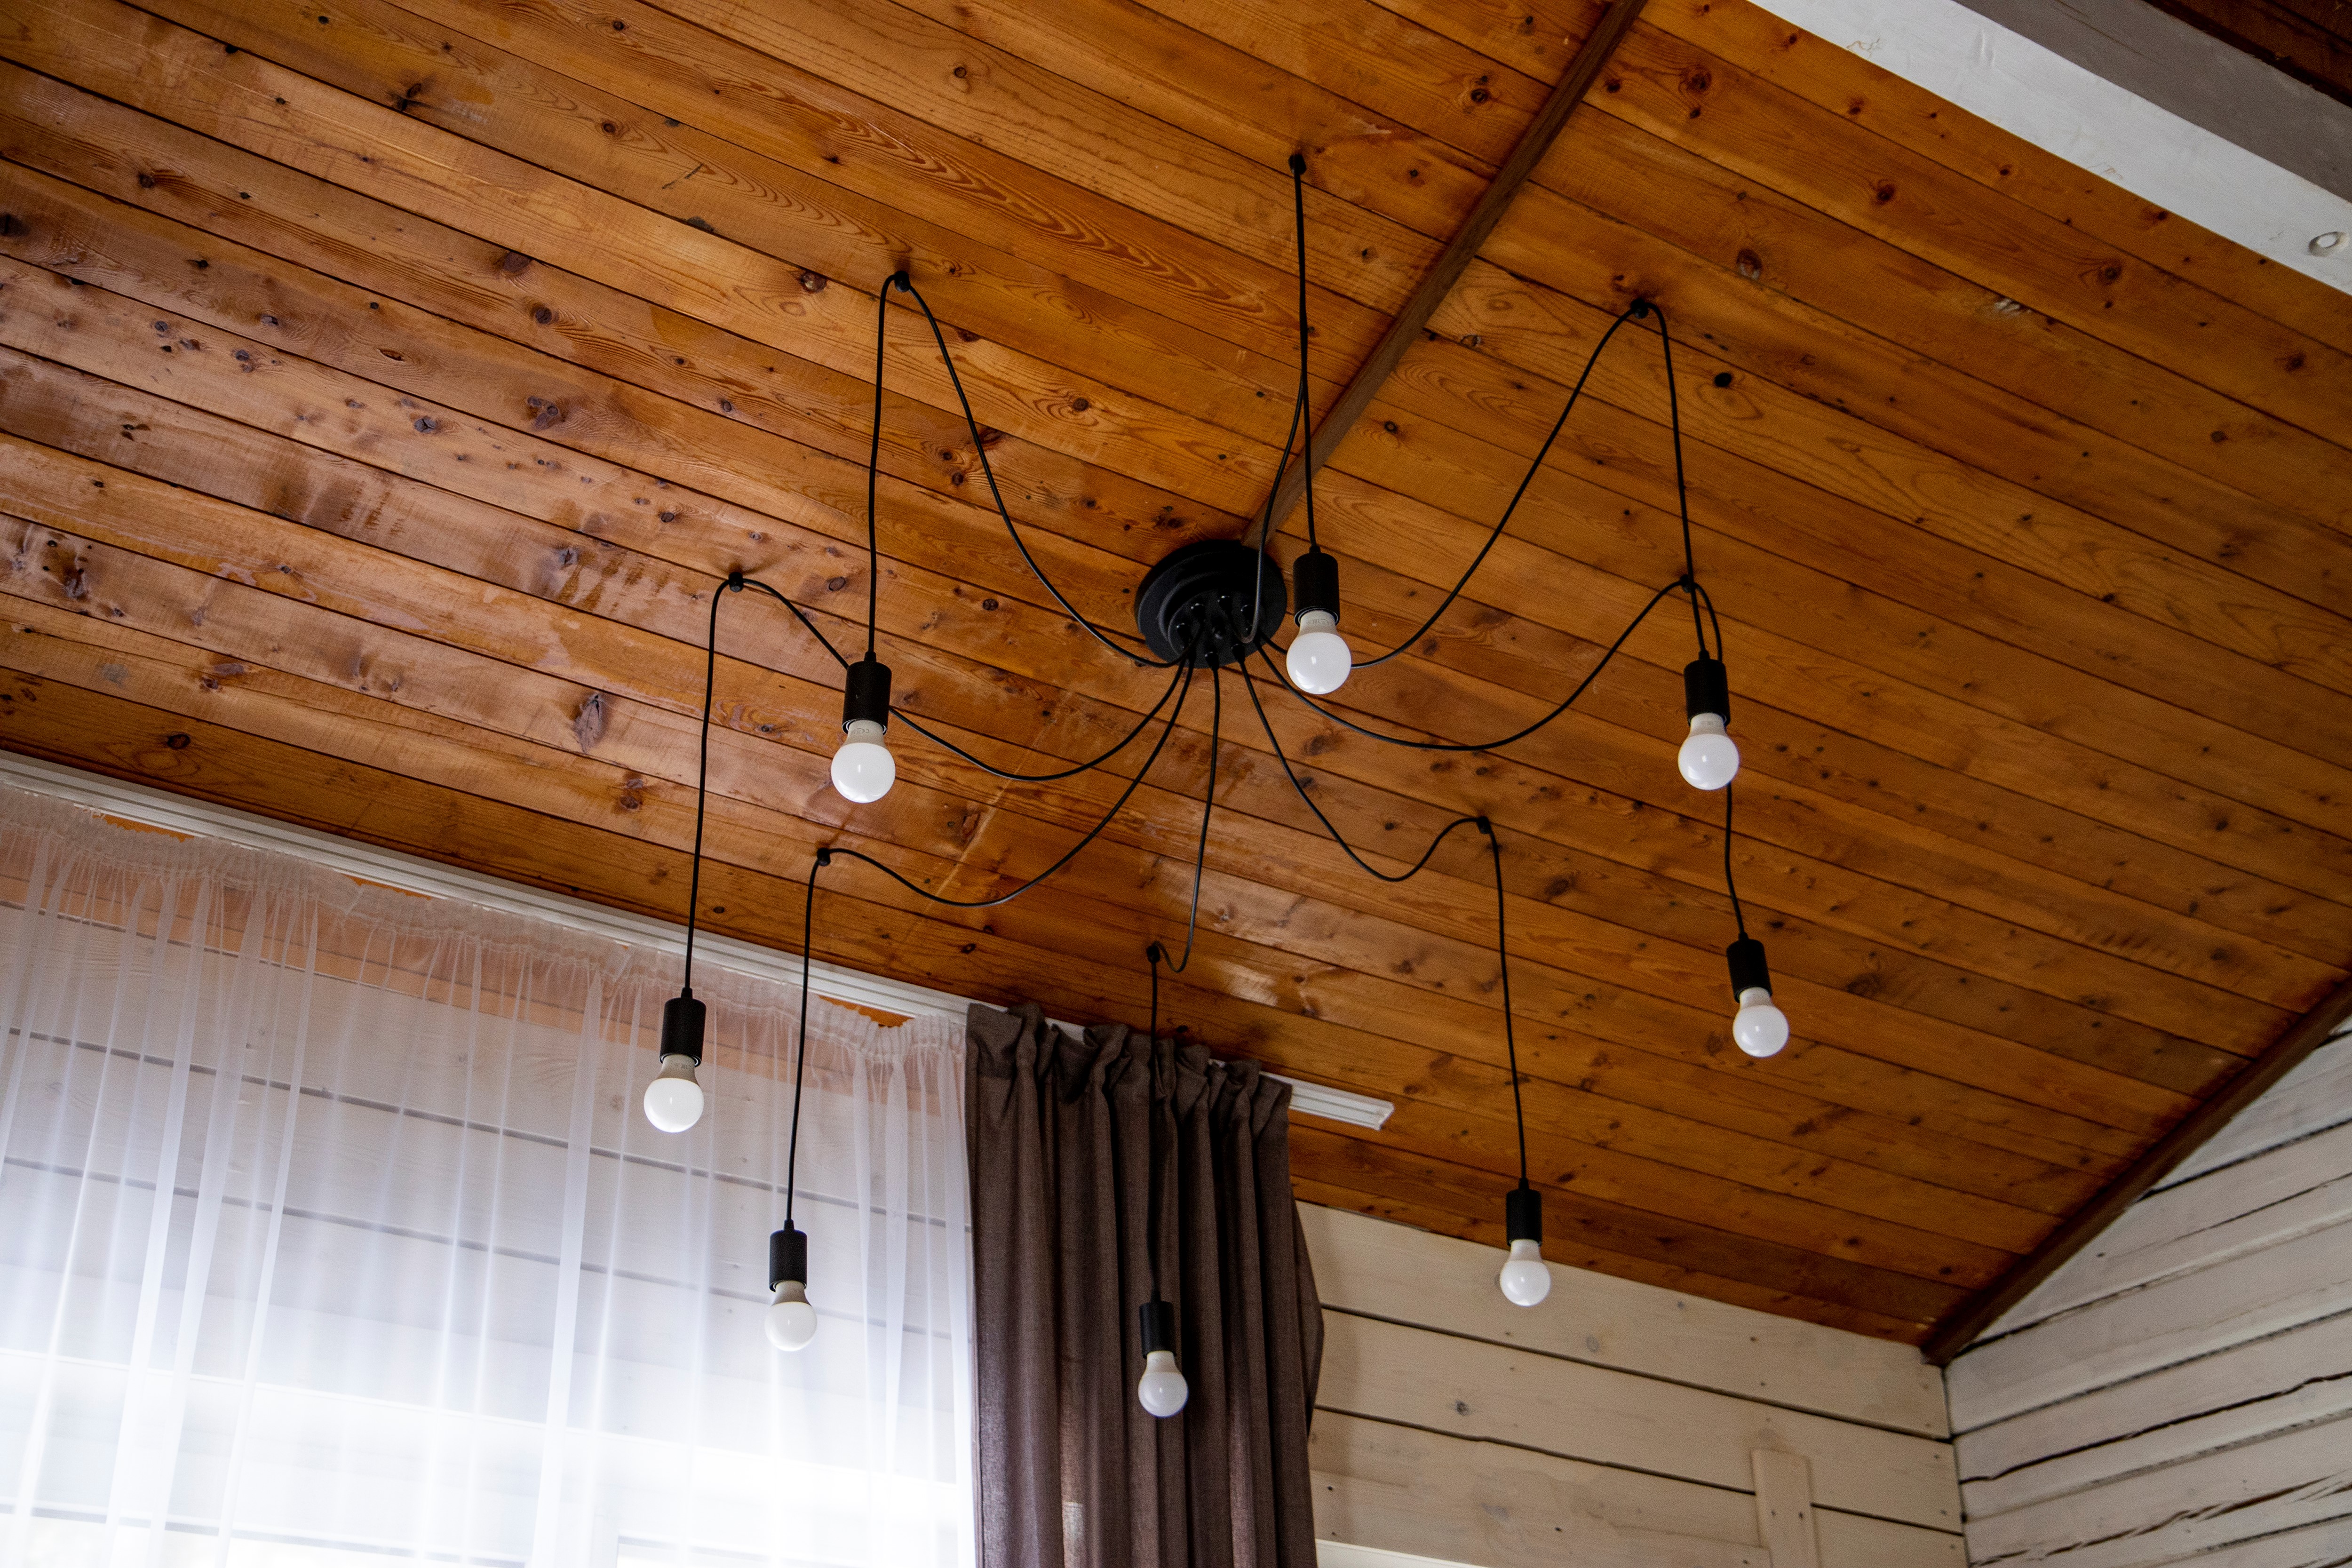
1617	1425
2181	1391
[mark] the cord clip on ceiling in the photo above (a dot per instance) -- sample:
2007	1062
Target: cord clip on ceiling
1203	606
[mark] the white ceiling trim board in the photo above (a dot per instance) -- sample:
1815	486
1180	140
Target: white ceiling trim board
2040	95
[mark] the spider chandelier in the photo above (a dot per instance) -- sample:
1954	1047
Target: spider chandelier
1206	607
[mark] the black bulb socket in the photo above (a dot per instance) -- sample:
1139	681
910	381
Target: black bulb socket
787	1256
865	695
1314	583
1707	687
1158	1321
682	1021
1523	1214
1747	970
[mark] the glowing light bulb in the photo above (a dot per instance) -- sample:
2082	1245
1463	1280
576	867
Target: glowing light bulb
674	1101
1709	758
1319	659
1526	1277
792	1321
862	770
1759	1028
1161	1390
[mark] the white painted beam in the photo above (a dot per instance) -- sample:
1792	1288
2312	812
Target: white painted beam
2034	93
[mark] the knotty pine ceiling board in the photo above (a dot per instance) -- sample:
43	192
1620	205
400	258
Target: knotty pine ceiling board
385	389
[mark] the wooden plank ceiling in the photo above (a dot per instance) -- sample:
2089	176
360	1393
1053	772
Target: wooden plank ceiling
386	386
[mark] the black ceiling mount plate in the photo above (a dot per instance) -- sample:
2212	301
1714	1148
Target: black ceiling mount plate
1199	597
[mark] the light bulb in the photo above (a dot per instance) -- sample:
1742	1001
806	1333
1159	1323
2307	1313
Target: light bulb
674	1101
1709	758
1526	1278
1162	1389
1758	1027
1319	659
792	1321
862	770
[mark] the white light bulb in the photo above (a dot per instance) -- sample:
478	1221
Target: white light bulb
1758	1027
1526	1278
1162	1389
792	1321
674	1101
1709	758
862	770
1319	659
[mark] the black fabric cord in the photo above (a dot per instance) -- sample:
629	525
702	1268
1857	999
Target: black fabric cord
1520	734
1682	487
702	775
1091	833
800	1064
874	460
996	495
1208	806
1534	467
1503	962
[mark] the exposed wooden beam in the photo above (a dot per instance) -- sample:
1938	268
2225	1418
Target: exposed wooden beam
1980	1311
1594	53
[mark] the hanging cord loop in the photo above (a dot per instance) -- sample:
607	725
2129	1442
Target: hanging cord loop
1632	312
1519	734
1068	856
734	583
988	471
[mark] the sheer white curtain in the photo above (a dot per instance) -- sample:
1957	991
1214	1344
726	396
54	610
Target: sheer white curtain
329	1229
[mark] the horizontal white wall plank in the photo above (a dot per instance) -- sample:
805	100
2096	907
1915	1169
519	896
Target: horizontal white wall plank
2180	1392
1456	1500
1376	1270
2154	1419
2143	1330
1473	1389
2315	1096
2162	1516
1411	1491
2302	1187
1617	1425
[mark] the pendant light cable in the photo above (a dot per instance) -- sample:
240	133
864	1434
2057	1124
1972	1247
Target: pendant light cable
1175	678
1503	962
1250	685
1519	734
1632	312
1068	856
1299	226
1682	485
800	1064
1201	857
1731	883
988	471
874	460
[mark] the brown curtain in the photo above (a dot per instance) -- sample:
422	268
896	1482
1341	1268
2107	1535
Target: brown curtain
1093	1162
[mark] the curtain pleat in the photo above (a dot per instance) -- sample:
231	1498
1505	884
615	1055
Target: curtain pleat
330	1231
1104	1168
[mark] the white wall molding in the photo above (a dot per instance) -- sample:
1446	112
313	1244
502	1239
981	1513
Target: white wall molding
432	879
2034	93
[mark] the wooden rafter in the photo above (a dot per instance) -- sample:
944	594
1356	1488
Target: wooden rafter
1459	252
